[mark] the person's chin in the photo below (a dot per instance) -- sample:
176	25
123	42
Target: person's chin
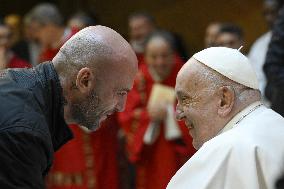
95	126
98	124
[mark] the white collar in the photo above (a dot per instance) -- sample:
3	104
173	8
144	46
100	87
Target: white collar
240	116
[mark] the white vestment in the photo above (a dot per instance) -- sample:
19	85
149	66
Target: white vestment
257	56
247	154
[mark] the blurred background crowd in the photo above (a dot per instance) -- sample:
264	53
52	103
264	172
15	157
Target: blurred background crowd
143	147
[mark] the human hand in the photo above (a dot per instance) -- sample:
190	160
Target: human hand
158	112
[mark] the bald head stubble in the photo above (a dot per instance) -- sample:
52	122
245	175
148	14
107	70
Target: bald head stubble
98	49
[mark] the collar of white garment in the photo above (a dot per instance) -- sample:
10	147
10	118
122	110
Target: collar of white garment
240	116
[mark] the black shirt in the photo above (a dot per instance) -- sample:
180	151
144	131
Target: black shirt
32	125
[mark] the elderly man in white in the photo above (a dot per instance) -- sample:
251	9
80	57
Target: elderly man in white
239	140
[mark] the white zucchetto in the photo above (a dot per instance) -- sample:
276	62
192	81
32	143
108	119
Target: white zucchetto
231	63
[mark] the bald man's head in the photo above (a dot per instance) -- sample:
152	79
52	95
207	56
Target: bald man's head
96	68
94	42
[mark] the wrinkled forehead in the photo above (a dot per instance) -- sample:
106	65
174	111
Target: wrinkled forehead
187	75
118	71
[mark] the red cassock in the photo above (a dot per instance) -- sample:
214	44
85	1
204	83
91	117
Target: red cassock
16	62
89	161
140	58
158	162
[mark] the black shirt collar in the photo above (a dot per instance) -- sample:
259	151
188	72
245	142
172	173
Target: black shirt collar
54	99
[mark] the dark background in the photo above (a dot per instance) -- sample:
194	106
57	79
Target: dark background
188	18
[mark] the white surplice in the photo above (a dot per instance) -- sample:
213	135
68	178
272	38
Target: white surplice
257	55
247	154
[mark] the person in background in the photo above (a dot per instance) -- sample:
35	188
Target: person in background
49	29
274	65
80	20
8	59
141	25
14	22
211	33
259	48
230	35
155	142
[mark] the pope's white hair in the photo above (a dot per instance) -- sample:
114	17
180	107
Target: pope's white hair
215	80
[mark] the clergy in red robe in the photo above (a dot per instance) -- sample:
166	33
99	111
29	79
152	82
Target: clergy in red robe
156	143
7	58
89	161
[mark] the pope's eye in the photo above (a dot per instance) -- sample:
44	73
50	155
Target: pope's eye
122	93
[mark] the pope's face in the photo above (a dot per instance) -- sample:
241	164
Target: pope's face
197	103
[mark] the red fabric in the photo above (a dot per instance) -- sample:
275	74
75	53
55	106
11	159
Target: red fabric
17	62
156	163
91	157
140	58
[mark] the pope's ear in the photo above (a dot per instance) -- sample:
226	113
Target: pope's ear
85	80
226	100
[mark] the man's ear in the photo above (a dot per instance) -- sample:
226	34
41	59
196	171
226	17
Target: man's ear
85	80
226	101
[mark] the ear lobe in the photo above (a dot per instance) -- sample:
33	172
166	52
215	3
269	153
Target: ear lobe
227	100
85	80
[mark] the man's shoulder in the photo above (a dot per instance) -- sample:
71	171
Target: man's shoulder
259	130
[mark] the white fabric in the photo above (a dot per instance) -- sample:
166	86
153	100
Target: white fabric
241	115
257	57
247	156
152	133
230	63
172	130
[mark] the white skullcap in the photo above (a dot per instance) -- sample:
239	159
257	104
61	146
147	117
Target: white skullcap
231	63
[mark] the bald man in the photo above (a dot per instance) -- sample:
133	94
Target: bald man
87	81
239	140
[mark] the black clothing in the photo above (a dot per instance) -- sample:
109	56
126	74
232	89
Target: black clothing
274	66
32	125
